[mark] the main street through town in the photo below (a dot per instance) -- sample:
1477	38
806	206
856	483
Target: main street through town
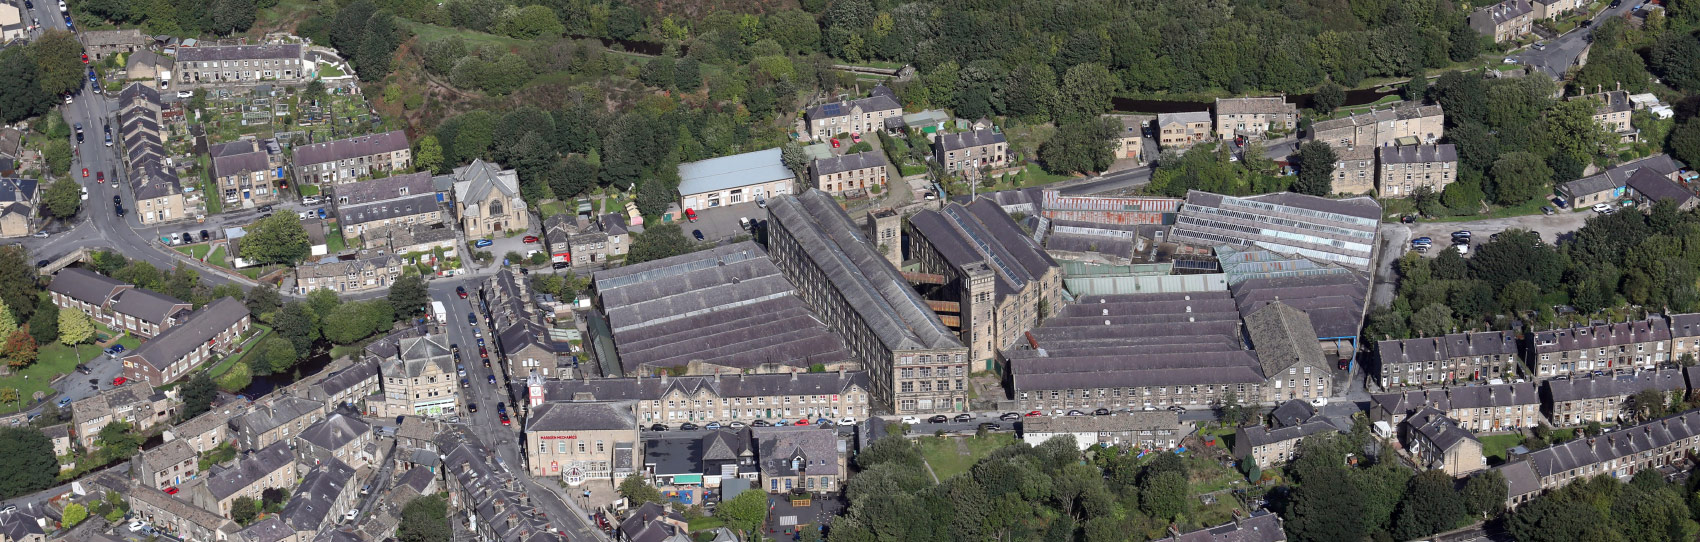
486	424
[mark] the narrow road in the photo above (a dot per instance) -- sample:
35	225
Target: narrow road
1557	55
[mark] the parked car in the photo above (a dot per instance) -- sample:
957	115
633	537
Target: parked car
989	426
1076	413
481	243
963	417
205	235
472	407
1010	416
460	291
697	234
1035	413
712	425
119	381
504	417
1598	207
802	422
688	426
1422	241
760	423
1177	408
530	239
1546	210
100	177
911	420
690	215
85	170
835	143
737	425
1101	412
940	418
464	383
657	427
491	378
64	402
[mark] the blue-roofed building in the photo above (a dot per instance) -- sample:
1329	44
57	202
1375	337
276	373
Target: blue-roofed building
730	180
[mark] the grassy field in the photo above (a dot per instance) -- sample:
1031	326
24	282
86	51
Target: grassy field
52	360
942	453
215	203
218	257
307	190
1494	446
1531	207
330	70
195	251
334	242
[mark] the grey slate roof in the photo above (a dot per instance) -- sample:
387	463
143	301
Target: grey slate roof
878	101
149	306
335	431
645	524
1653	329
1335	302
849	162
397	208
735	385
1258	435
1398	111
418	478
1492	396
778	446
1684	325
13	189
475	181
1618	176
239	52
1615	445
1283	337
1293	412
250	469
85	285
408	356
166	455
1520	478
1187	117
271	529
1656	187
347	378
386	189
1418	154
1615	385
966	140
982	233
582	417
352	147
865	279
309	507
181	339
267	416
1433	426
1262	526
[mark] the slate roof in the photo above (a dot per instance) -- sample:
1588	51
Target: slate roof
1188	117
1121	422
582	417
982	233
21	190
1657	187
407	357
85	285
202	424
1601	336
166	455
1258	435
1520	478
1334	302
728	306
271	529
475	181
1267	105
239	52
1262	526
1293	412
1618	176
1615	445
179	340
106	38
1611	101
879	101
732	385
849	162
280	410
968	140
384	210
417	478
1491	396
491	491
250	469
1398	111
733	171
335	431
1137	340
778	445
201	517
145	57
313	500
153	180
1418	154
645	524
1283	337
386	189
1615	385
337	268
346	148
1453	345
865	279
1684	325
347	378
149	306
1443	432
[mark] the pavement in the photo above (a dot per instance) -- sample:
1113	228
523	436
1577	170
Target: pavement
1560	53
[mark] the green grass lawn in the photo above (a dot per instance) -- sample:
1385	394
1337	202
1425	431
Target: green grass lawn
705	523
256	271
1532	207
217	257
941	453
194	251
334	242
215	203
248	345
553	208
52	360
1494	446
330	70
307	190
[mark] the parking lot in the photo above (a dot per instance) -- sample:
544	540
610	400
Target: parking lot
721	223
1550	228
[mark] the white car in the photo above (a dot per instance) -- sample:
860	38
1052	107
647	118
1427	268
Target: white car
1319	401
911	420
185	94
136	526
847	421
1601	208
351	515
1509	60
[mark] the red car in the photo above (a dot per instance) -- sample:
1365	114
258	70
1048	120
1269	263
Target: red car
835	143
505	420
802	423
173	489
1035	413
119	381
461	291
690	215
100	177
531	239
856	137
85	58
85	172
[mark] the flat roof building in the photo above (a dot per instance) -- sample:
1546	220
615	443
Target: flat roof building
730	180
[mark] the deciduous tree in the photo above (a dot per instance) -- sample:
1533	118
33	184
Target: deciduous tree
63	198
276	239
1316	169
27	464
426	519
